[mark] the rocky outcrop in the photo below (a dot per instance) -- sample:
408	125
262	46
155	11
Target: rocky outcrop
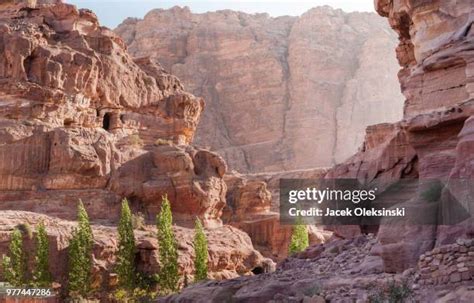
79	114
348	271
230	250
81	119
283	93
433	140
431	143
253	206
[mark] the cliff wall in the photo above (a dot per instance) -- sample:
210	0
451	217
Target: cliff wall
282	93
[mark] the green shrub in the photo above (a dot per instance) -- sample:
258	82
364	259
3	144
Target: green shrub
433	193
14	265
80	255
299	238
25	229
138	221
312	290
135	140
168	276
200	249
126	254
42	275
135	295
159	142
393	292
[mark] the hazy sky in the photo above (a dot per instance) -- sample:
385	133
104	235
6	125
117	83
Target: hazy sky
112	12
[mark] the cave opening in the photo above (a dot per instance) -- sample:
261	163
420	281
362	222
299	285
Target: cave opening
258	270
106	121
68	122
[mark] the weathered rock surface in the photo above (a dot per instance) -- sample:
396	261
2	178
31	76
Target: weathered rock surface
283	93
253	206
78	113
230	250
346	271
81	119
433	140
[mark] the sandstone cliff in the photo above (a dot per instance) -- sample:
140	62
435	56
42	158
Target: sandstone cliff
282	93
81	119
432	142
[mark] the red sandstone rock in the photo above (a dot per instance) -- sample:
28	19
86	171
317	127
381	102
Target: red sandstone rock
230	250
81	119
432	142
78	112
283	93
254	208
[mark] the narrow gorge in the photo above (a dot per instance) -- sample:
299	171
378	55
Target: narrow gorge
212	110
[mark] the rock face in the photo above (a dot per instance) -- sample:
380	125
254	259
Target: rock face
434	140
79	114
230	250
283	93
347	271
253	206
81	119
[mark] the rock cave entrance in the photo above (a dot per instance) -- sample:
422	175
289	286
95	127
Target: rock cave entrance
106	121
258	270
68	122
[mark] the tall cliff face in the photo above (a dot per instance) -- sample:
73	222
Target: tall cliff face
434	140
282	93
81	119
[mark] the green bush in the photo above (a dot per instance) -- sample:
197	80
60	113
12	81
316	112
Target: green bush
393	292
80	255
135	140
168	276
42	275
433	193
299	238
312	290
25	229
200	249
138	221
144	291
159	142
126	254
14	265
135	295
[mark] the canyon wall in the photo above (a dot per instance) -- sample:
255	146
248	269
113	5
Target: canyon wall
282	93
434	140
80	119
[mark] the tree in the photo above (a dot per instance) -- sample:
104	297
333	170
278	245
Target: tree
299	237
42	275
126	253
14	265
200	249
80	254
168	276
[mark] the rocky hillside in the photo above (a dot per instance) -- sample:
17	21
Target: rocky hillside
80	118
407	260
282	93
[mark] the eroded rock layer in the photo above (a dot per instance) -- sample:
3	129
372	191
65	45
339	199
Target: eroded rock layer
283	93
344	271
81	119
433	141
